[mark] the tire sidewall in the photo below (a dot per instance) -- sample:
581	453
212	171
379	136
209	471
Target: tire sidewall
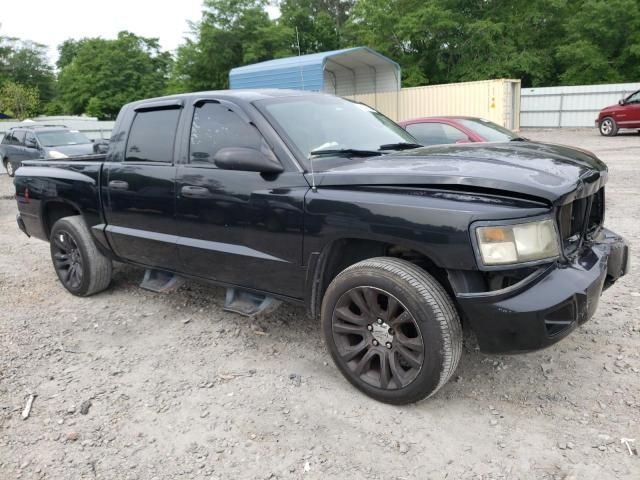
8	166
428	379
71	229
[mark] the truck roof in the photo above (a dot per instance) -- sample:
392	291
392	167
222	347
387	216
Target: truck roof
246	95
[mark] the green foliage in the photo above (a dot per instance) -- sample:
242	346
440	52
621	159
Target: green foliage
99	76
541	42
442	41
320	23
19	101
231	33
602	43
26	63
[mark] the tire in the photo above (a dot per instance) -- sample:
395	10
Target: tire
8	166
391	329
81	268
608	127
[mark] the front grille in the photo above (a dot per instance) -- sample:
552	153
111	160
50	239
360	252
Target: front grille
581	218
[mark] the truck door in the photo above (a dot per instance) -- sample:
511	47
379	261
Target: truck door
237	227
140	190
632	109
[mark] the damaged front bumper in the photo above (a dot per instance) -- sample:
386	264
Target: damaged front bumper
546	306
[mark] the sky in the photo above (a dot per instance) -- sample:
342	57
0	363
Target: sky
52	21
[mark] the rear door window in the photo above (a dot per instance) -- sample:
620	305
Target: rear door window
8	139
152	136
216	126
433	133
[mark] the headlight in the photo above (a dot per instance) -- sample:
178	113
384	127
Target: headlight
518	243
56	154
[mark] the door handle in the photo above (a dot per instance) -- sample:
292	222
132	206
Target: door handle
118	185
191	191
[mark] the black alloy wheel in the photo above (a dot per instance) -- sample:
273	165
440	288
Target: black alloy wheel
81	267
378	338
391	329
67	260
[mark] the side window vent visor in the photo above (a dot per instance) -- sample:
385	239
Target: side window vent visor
160	105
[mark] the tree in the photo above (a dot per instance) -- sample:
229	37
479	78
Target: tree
26	63
102	75
320	23
441	41
19	101
602	43
231	33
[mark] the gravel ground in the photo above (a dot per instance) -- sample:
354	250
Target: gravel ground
132	384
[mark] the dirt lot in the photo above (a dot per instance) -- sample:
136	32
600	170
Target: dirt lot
180	389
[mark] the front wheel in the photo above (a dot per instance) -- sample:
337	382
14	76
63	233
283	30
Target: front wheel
608	127
82	269
391	329
8	166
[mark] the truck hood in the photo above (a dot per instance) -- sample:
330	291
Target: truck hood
553	173
71	150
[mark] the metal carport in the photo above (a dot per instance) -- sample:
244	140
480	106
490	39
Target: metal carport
348	72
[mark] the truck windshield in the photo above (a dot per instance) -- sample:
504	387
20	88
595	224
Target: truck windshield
62	137
317	123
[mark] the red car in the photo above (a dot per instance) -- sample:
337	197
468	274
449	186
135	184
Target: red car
441	130
624	115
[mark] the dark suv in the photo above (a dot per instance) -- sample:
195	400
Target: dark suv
41	142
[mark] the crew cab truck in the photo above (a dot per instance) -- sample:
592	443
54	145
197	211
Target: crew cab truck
323	202
42	141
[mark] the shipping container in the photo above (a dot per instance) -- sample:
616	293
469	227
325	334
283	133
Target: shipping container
495	100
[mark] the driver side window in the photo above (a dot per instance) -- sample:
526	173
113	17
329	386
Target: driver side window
216	126
30	140
633	98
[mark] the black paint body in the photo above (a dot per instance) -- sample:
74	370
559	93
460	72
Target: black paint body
273	233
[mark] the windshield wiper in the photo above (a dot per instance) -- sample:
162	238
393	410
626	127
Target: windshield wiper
518	139
400	146
344	152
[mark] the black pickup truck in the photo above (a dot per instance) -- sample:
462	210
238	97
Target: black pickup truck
323	202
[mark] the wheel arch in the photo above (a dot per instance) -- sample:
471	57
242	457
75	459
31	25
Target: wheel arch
341	253
55	209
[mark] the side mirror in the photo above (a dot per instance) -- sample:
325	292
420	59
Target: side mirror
30	144
621	101
246	159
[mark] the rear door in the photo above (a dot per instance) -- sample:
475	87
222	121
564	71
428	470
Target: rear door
238	227
140	190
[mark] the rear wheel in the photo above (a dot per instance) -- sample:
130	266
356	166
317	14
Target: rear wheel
391	329
82	269
608	127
